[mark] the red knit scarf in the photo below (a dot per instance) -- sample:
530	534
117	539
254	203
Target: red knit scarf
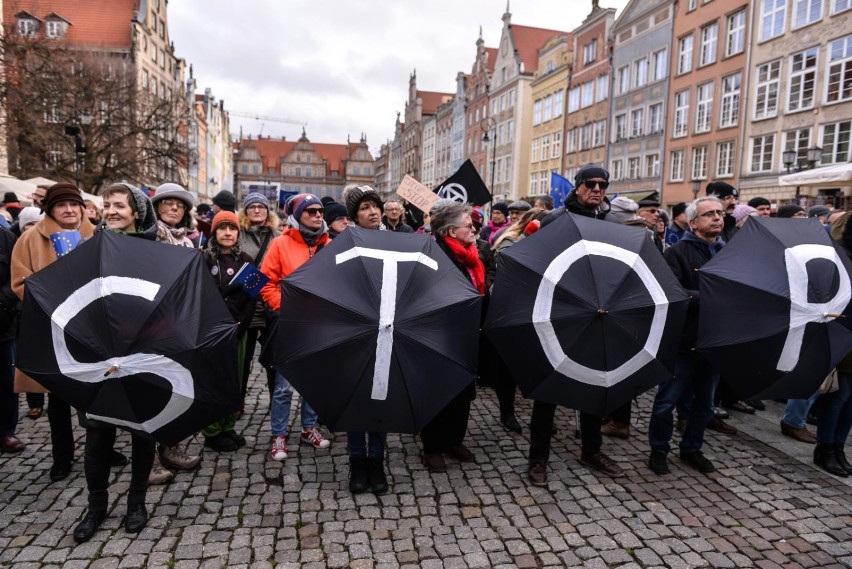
469	257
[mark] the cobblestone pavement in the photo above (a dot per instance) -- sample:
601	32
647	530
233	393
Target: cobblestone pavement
762	508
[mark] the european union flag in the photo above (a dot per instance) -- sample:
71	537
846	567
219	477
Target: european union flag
560	187
64	242
251	279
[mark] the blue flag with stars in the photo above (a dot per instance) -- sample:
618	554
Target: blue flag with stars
560	187
251	279
64	242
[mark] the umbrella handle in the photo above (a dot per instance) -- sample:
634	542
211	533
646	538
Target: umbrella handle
111	370
833	315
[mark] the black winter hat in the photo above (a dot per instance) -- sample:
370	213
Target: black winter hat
334	210
721	190
226	200
590	171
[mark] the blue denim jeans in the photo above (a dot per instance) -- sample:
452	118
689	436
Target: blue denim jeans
835	413
691	371
361	444
796	412
279	408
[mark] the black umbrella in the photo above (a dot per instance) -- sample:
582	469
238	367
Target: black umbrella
774	312
379	331
586	314
133	333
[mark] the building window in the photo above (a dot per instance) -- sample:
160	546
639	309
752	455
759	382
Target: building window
511	98
684	57
730	114
602	90
766	93
55	29
661	64
840	70
623	79
144	79
725	159
545	147
548	108
699	163
588	94
676	166
27	27
54	155
153	53
537	112
709	40
617	169
762	148
571	141
704	107
633	168
773	14
655	118
736	33
652	165
558	103
691	5
841	5
640	71
798	140
585	137
802	80
574	100
806	12
52	115
620	127
590	51
835	142
556	152
681	114
637	121
599	133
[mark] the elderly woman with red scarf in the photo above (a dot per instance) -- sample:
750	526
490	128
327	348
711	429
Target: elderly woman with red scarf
455	234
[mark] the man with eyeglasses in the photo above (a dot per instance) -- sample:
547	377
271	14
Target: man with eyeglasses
589	200
393	218
692	370
727	194
38	195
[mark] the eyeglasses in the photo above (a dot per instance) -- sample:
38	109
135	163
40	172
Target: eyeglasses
469	226
255	207
800	214
168	202
713	213
315	211
601	185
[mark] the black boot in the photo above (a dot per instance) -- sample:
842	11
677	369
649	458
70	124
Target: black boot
376	474
358	483
136	518
826	457
841	458
89	525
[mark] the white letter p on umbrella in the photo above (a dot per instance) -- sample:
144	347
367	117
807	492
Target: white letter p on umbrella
178	376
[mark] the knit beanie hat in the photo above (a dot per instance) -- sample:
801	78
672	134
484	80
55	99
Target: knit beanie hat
255	198
501	207
334	211
226	200
678	209
29	215
61	192
297	206
741	211
789	210
590	171
622	209
225	216
353	197
721	189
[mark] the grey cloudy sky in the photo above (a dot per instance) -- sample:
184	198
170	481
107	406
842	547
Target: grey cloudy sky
342	66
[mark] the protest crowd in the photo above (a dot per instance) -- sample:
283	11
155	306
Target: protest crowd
247	249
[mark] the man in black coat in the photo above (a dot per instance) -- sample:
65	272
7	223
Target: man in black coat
589	200
700	244
9	305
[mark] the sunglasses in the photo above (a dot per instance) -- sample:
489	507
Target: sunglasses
315	211
601	185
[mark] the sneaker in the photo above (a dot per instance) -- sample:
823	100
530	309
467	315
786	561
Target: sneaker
537	473
325	431
279	447
658	462
220	443
721	413
720	426
616	430
697	460
159	475
602	462
802	434
177	457
314	437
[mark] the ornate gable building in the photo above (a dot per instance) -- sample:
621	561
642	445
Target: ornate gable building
476	108
420	104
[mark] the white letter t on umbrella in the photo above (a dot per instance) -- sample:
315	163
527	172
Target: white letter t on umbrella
387	308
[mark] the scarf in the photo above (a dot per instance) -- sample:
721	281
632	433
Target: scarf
468	256
309	235
493	228
172	235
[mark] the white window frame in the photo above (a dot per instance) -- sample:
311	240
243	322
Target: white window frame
709	44
633	168
704	107
729	113
617	167
806	12
599	133
773	18
699	162
735	42
762	156
799	140
836	151
623	79
556	147
838	6
680	118
602	88
640	72
661	64
725	156
686	46
839	70
620	127
767	85
637	122
801	82
676	165
558	103
652	166
655	118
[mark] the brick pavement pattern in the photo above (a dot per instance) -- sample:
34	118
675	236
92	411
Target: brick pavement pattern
243	510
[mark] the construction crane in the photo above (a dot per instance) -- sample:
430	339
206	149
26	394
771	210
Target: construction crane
259	117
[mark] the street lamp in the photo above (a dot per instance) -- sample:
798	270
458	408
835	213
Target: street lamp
696	187
76	130
789	158
486	125
814	156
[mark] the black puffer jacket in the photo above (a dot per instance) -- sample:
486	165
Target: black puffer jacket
9	303
222	268
572	205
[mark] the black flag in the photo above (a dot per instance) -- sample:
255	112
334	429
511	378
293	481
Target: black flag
465	186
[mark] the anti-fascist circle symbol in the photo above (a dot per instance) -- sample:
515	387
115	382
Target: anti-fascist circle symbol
454	191
542	308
